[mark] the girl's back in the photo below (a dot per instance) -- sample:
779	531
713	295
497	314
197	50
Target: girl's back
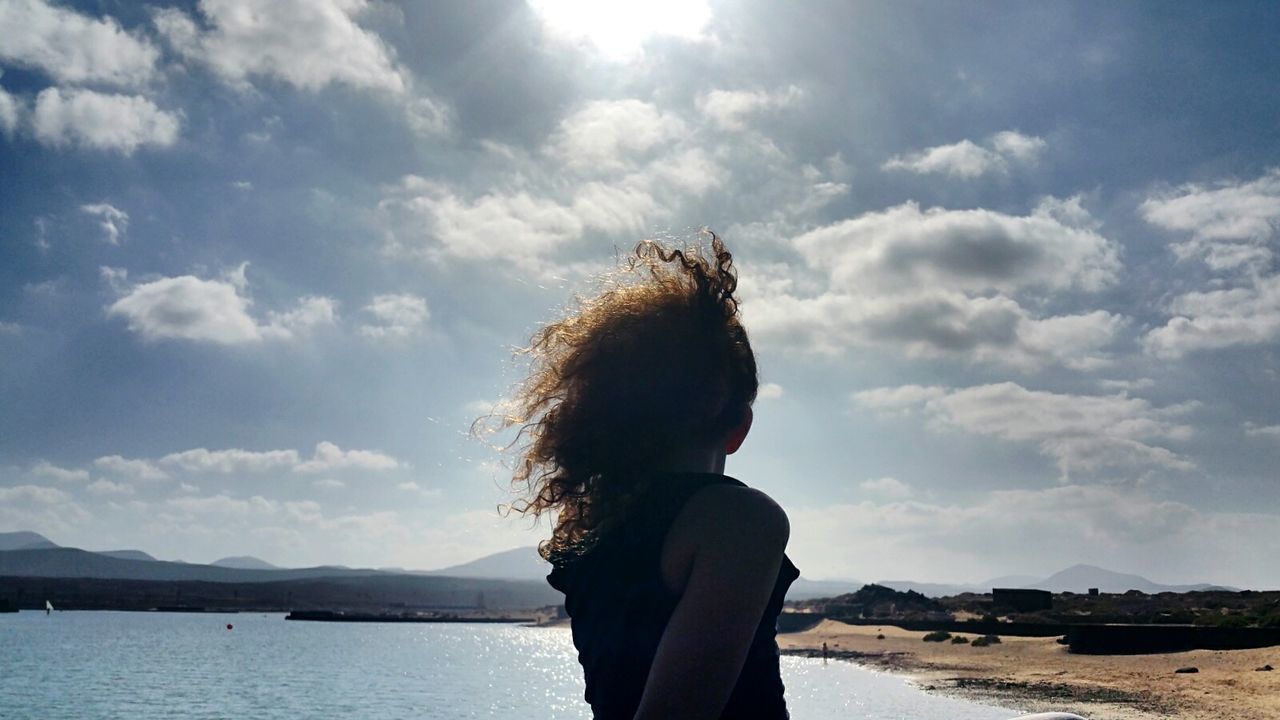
620	598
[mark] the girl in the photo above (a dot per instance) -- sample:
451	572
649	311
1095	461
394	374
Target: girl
673	573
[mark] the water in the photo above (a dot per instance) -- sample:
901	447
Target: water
87	665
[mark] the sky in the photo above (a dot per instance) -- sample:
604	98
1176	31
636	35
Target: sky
1010	269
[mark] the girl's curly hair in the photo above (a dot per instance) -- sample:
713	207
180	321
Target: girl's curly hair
650	366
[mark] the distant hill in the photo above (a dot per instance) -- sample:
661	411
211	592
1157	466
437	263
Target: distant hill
24	539
1010	581
126	555
244	562
933	590
1079	578
518	564
805	589
75	563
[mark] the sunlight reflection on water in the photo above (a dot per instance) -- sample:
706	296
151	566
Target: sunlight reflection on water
161	665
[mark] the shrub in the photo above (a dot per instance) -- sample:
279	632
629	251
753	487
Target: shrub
959	640
937	636
986	640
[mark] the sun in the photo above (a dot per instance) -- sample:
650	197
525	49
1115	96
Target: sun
618	29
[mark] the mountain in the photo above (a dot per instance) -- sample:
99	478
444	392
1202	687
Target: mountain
806	589
1011	581
518	564
932	590
950	589
24	540
125	554
1079	578
75	563
244	562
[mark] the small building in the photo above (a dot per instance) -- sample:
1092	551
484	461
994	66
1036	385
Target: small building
1021	599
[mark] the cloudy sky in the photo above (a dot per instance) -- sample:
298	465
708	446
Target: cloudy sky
1010	270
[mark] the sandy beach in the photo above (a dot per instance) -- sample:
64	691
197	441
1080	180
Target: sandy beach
1037	674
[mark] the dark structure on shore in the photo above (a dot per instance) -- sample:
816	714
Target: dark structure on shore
1021	599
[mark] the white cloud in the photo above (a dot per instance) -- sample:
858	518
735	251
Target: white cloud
1055	246
1127	385
940	282
143	470
1268	431
622	168
731	109
1080	432
11	112
224	505
111	220
217	311
769	391
328	483
101	121
515	226
73	48
106	487
306	43
201	460
328	457
886	487
614	207
423	492
427	117
311	312
967	159
395	316
610	135
1016	146
1233	225
1217	319
1220	217
978	329
33	494
188	308
46	469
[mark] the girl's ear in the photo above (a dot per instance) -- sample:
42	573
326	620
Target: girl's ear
739	433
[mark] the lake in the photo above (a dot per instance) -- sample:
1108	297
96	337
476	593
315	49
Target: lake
81	665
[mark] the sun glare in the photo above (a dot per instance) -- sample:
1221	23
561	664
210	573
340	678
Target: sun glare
618	30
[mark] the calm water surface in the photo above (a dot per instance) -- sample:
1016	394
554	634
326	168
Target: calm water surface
86	665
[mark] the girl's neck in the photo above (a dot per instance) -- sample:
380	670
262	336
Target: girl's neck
706	460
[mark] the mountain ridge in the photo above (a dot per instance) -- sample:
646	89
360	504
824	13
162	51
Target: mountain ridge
245	562
27	553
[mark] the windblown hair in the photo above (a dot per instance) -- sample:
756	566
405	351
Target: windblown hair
656	363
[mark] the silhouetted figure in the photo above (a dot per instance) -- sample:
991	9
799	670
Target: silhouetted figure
673	573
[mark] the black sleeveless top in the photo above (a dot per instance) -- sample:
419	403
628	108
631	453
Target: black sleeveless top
620	606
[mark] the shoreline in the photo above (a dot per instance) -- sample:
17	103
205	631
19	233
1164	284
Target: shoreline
1039	675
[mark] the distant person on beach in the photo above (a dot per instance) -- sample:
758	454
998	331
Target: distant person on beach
673	572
